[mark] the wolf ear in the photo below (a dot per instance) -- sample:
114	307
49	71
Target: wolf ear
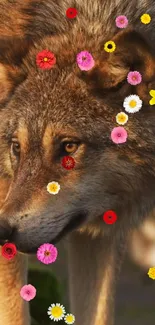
132	53
12	52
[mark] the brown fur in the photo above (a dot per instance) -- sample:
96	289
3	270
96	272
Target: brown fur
41	109
13	275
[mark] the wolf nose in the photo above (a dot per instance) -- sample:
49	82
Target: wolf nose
5	230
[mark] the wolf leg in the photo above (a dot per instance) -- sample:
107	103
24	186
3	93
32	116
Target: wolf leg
93	267
13	275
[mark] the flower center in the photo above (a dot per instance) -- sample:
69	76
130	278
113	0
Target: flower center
56	311
122	21
109	46
45	59
9	250
28	292
47	253
68	163
133	103
119	135
84	58
53	188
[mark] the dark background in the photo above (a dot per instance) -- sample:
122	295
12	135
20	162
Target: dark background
135	300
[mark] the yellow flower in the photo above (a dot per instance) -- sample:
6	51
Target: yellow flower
56	312
145	19
121	118
53	188
152	100
110	46
69	319
151	272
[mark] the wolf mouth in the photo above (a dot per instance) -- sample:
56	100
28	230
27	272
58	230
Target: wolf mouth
73	223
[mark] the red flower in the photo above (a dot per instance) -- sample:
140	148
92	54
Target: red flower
45	59
9	250
68	162
71	13
110	217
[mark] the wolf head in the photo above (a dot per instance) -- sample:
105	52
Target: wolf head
46	115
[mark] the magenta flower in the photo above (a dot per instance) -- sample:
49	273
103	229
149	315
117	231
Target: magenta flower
47	253
28	292
134	78
85	61
119	135
121	21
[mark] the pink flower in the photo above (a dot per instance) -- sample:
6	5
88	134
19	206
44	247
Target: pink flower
47	253
121	21
85	61
119	135
134	78
28	292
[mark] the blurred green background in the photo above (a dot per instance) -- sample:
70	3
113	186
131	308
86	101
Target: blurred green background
135	299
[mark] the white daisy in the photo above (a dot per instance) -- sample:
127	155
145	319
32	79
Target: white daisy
56	312
132	104
69	319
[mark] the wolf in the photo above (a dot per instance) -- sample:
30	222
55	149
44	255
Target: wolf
48	114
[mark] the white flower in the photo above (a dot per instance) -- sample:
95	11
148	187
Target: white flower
56	312
132	104
53	188
69	319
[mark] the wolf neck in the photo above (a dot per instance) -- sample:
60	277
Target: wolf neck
93	269
13	273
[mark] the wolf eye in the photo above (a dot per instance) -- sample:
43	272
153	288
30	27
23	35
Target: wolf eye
70	147
15	148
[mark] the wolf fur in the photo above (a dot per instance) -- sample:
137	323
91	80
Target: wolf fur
41	109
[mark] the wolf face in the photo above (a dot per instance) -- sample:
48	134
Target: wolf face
63	111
